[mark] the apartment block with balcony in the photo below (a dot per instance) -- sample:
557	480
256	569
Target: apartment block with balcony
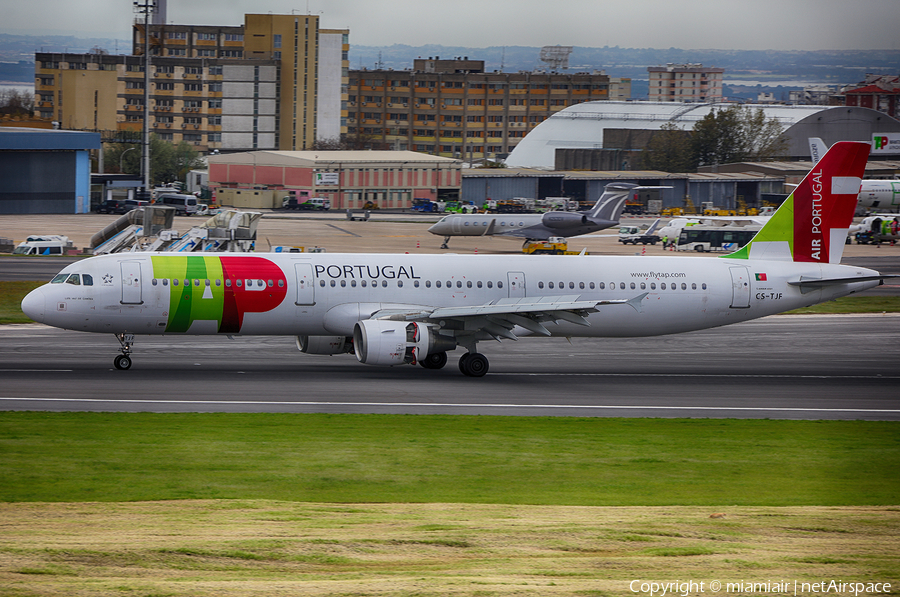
453	108
207	102
685	83
277	82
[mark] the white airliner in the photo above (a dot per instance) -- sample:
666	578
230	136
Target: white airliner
604	214
874	194
391	309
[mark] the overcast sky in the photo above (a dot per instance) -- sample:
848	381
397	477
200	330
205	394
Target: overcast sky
689	24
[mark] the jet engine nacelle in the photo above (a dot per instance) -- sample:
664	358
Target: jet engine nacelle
387	343
563	219
324	344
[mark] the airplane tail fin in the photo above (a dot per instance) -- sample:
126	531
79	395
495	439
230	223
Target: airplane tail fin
811	225
817	149
611	203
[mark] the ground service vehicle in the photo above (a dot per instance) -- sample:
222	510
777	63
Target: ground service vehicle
551	246
46	244
396	309
715	238
635	235
185	205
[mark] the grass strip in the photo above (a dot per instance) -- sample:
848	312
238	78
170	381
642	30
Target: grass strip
49	457
11	295
227	548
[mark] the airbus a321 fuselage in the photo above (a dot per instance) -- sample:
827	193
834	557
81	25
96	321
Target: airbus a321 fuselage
392	309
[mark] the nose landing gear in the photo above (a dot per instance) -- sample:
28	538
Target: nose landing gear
123	361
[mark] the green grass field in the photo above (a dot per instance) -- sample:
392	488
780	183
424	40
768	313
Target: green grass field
47	457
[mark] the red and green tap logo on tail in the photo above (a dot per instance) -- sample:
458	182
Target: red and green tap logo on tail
811	225
220	289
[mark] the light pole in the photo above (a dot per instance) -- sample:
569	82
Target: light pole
146	7
122	156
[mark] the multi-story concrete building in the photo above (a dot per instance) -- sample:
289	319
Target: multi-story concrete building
453	108
879	92
278	82
685	83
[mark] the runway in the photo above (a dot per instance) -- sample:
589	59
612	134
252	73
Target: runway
783	367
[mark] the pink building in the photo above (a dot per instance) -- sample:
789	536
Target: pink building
349	179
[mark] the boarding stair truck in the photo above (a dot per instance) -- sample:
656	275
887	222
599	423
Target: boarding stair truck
635	235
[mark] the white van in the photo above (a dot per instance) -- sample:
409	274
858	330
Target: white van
48	244
185	205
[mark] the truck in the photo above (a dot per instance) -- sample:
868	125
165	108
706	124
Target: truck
635	235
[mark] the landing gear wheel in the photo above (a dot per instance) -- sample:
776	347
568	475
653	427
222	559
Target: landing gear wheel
434	361
473	364
123	361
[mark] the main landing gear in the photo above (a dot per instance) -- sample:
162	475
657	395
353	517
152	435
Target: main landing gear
473	364
123	361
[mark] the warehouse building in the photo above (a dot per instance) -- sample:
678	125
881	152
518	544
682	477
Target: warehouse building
45	171
622	126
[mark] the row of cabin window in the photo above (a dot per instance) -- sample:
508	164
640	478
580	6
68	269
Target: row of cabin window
623	286
228	282
550	285
75	279
502	223
437	284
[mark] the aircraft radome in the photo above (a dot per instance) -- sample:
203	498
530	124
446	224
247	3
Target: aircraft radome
394	309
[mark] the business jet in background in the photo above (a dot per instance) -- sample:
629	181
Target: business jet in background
395	309
881	195
604	214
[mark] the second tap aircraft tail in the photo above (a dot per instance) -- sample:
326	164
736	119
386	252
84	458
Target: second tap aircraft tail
811	225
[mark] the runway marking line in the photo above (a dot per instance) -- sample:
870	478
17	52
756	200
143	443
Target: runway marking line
452	404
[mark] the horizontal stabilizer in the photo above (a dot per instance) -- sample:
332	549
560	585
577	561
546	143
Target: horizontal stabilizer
818	282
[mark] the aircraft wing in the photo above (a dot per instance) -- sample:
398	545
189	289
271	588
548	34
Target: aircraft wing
497	318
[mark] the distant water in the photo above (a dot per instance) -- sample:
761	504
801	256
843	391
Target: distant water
18	87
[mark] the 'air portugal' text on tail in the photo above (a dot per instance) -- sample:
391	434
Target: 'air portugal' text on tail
811	225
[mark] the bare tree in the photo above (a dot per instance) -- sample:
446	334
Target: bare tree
16	103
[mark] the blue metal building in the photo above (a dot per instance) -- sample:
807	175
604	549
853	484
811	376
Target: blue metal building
45	171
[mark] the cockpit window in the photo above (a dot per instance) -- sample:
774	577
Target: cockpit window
74	279
59	278
87	280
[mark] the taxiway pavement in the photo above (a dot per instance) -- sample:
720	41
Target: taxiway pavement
780	367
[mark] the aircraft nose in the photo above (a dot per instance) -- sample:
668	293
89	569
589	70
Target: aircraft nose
437	228
33	305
